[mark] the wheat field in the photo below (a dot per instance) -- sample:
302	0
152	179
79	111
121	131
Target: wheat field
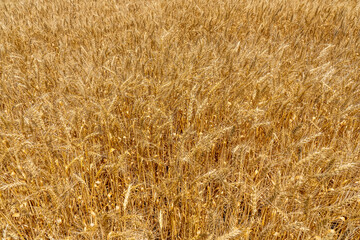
175	119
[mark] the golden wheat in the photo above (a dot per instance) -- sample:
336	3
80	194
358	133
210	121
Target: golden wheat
179	119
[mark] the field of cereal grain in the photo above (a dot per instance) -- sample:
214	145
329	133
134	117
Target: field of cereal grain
174	119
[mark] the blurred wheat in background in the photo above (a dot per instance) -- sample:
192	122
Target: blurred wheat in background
174	119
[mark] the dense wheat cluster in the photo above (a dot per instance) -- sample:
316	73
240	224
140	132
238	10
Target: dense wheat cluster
175	119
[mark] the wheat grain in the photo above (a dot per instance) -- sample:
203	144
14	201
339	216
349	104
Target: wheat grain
179	119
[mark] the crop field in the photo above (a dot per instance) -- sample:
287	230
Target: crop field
175	119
